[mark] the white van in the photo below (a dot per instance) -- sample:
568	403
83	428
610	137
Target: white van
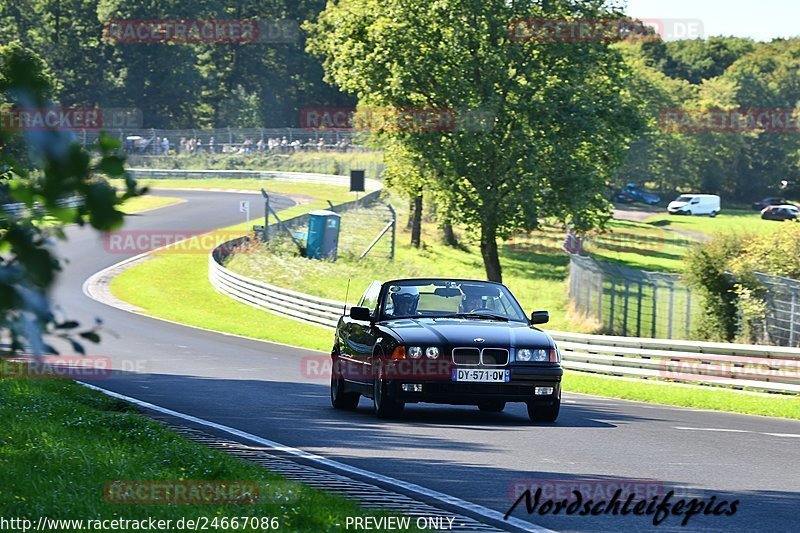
694	204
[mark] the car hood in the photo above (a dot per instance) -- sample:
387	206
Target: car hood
463	332
677	205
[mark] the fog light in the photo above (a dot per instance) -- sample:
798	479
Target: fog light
414	387
543	391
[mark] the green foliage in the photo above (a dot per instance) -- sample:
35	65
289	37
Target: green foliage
66	184
558	125
723	270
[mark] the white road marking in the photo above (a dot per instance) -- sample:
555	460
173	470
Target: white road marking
465	506
726	430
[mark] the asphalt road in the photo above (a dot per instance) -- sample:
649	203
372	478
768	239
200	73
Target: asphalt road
266	389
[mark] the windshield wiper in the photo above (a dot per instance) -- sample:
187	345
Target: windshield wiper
488	316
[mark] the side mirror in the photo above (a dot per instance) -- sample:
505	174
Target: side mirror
540	317
361	314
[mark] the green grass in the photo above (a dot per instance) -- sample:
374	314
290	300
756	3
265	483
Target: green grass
144	203
716	399
737	220
176	287
60	444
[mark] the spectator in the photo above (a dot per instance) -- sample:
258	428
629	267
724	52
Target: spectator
211	145
165	146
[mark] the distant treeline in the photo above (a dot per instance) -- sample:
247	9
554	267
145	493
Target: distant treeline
268	82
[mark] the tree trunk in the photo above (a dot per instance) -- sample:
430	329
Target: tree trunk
416	223
491	261
410	222
449	236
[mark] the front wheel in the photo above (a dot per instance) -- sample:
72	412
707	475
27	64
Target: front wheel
687	213
544	413
384	405
713	214
340	399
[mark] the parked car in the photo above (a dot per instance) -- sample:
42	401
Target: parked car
447	341
771	200
781	212
633	192
695	204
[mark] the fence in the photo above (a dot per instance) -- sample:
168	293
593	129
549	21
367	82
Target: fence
627	301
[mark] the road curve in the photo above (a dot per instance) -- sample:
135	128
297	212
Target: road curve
261	388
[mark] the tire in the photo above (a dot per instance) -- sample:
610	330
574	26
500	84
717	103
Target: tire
688	213
493	406
340	399
713	214
385	407
544	413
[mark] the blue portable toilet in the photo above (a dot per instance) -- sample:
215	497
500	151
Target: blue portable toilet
323	235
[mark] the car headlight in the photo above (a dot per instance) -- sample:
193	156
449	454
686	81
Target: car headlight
531	354
414	352
432	352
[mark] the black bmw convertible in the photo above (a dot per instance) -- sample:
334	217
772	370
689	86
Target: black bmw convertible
449	341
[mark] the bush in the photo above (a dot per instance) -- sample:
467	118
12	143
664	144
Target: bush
707	267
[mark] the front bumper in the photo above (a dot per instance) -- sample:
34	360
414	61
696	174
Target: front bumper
520	388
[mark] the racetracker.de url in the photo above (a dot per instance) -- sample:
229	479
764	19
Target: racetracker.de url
202	523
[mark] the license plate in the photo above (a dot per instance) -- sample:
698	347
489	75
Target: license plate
481	375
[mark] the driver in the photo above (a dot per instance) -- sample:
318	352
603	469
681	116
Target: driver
404	300
473	299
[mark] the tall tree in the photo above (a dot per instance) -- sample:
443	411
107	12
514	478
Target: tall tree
558	126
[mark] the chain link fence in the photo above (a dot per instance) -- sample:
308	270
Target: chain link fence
782	318
632	302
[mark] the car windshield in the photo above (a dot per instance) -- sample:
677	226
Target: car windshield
684	198
450	298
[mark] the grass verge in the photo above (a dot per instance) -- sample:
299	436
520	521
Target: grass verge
147	202
60	444
716	399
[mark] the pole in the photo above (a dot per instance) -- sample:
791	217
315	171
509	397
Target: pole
266	214
394	231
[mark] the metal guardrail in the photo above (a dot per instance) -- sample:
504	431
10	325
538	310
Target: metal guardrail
763	368
370	184
20	209
741	366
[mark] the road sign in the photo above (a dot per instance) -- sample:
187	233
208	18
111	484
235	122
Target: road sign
244	207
